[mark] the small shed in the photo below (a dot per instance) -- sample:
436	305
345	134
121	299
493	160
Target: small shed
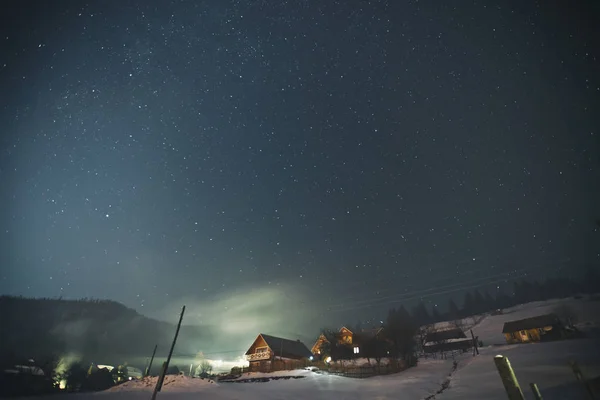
447	340
444	335
534	329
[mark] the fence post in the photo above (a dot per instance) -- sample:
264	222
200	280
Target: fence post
536	391
509	380
475	344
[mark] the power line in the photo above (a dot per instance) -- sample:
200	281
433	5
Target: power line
443	278
374	303
358	304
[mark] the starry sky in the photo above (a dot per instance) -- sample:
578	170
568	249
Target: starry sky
279	166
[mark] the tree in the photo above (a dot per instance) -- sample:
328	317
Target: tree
453	311
503	300
566	314
435	315
420	315
591	280
479	305
75	377
375	348
204	369
400	330
423	333
468	305
489	301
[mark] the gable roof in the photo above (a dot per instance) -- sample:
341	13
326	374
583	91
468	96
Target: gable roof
344	329
447	334
320	340
539	321
285	347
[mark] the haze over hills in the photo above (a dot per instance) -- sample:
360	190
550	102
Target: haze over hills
90	328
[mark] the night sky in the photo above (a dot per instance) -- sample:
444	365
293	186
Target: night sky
280	166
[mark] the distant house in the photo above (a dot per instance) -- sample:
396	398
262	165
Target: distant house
534	329
447	340
345	337
269	353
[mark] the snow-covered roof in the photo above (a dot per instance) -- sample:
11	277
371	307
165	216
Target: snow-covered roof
538	321
287	348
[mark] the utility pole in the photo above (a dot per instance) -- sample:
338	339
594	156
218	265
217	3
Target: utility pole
161	378
147	372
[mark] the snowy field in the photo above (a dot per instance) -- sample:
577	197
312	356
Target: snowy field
476	377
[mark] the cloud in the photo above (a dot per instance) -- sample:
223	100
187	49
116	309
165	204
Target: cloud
242	313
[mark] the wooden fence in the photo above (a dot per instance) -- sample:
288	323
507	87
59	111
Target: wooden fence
275	365
363	371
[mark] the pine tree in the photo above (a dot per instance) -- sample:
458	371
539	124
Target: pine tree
490	302
420	315
478	302
453	311
400	330
468	305
435	315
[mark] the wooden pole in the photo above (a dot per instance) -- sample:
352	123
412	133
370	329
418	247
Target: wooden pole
166	364
509	380
147	372
475	347
579	375
161	378
536	391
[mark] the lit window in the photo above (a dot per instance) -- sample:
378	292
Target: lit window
356	350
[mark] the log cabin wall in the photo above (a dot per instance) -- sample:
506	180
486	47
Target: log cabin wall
259	342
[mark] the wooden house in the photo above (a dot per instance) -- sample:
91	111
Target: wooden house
267	350
534	329
319	344
345	337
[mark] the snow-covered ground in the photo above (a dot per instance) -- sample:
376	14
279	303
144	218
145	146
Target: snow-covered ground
546	364
414	383
476	377
587	314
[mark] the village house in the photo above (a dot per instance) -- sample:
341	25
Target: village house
346	337
534	329
270	353
447	340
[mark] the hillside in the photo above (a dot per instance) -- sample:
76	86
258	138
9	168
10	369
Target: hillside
89	328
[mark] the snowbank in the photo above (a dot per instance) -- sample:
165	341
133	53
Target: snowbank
171	383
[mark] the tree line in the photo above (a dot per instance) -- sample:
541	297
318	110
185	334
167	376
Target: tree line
401	333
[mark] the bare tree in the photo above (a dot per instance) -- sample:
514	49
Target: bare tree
204	369
422	334
566	314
